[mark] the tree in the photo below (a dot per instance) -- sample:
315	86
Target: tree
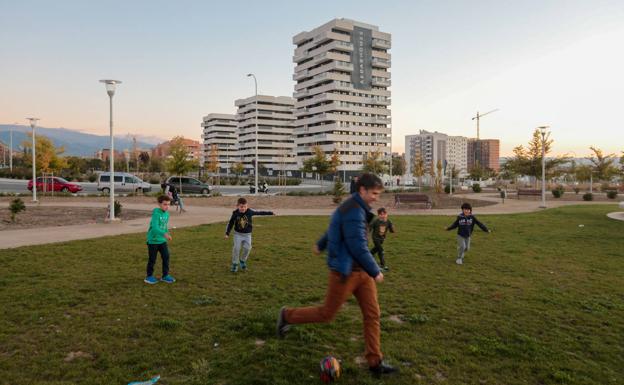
16	206
418	169
338	191
156	165
238	168
398	165
583	173
603	165
212	166
438	177
179	162
47	155
317	163
477	172
373	162
144	159
334	162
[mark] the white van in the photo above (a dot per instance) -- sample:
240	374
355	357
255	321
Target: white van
124	182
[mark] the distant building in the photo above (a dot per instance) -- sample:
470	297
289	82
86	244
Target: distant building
457	154
430	146
484	152
193	146
220	132
104	154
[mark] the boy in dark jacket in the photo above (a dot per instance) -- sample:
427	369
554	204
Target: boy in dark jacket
241	222
352	271
380	226
465	225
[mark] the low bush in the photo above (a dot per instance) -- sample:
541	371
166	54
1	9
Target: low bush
576	190
612	194
588	197
558	191
476	188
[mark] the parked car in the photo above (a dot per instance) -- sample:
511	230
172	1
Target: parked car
124	182
189	185
55	184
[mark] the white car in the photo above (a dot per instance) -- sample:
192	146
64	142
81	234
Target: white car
124	182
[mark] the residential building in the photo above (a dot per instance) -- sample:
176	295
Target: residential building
193	146
342	92
430	146
104	154
484	152
457	154
220	134
276	146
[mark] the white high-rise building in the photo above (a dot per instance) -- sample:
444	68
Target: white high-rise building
430	146
276	145
220	133
457	153
342	91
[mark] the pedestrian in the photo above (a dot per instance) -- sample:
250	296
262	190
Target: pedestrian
353	185
240	221
380	226
465	223
157	237
352	271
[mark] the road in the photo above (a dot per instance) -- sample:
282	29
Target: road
19	186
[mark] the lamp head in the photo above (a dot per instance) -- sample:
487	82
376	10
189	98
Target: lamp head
110	85
543	129
33	122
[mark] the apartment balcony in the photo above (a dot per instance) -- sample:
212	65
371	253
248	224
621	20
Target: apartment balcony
382	63
381	43
381	82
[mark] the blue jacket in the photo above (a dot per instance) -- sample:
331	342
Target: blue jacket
346	240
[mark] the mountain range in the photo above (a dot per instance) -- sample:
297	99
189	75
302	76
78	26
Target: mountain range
76	143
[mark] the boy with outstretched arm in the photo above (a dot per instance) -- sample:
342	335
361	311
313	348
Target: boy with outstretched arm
241	222
380	226
157	237
465	225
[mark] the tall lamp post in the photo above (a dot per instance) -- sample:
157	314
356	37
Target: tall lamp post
33	123
110	90
11	148
256	93
544	134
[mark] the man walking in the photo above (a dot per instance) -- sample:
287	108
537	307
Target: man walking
352	270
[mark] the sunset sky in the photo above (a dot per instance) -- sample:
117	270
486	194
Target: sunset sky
559	63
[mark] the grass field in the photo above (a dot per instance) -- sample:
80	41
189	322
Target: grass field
538	301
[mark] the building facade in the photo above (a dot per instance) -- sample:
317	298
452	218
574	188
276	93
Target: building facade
276	144
342	92
430	146
485	153
193	147
220	135
457	154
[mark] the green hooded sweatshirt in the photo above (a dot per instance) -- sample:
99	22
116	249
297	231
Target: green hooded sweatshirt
158	227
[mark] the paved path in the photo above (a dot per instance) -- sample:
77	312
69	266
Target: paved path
617	215
197	215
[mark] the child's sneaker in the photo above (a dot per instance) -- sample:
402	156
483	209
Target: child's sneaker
459	261
151	280
243	265
168	278
234	268
386	268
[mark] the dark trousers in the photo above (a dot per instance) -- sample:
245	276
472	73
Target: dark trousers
152	252
378	249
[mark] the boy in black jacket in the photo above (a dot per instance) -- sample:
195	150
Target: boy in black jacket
465	224
241	222
380	226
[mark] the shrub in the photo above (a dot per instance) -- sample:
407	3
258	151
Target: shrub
447	189
118	207
476	188
92	178
558	191
338	191
588	197
612	194
576	190
216	194
16	206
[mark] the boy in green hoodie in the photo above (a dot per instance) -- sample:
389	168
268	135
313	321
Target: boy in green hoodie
157	237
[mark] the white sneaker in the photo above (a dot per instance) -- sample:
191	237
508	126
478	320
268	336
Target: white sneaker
459	261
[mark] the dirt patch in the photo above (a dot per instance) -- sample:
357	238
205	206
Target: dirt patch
276	202
47	216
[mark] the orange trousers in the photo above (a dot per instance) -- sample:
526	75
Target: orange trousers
364	288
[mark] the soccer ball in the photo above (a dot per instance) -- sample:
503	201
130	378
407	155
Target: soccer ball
330	369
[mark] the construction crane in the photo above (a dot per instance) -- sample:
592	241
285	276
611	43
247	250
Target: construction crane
479	116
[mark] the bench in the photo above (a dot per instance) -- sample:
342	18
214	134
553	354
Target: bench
528	192
412	198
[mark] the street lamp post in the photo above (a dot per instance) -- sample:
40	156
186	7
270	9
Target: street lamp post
110	90
33	123
256	93
11	149
543	133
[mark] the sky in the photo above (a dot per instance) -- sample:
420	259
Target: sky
556	63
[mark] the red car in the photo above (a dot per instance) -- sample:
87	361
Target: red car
55	184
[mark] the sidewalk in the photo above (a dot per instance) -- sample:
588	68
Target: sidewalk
198	215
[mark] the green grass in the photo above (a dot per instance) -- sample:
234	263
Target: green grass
538	301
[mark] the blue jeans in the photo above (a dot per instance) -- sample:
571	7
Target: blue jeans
152	252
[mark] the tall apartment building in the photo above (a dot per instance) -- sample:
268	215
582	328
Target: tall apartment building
485	152
457	153
342	91
276	144
430	146
220	133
